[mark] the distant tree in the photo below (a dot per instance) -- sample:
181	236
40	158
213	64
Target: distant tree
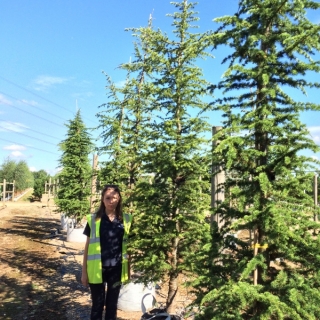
73	195
17	172
40	178
23	176
275	275
7	170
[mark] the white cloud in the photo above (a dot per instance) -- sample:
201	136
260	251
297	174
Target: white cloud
58	169
53	172
315	133
4	100
14	147
12	126
314	129
316	139
30	103
42	83
17	154
120	84
33	169
16	151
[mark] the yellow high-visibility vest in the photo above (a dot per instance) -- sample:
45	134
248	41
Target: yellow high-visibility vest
94	264
127	220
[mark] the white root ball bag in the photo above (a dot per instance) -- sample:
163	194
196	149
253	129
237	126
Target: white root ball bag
133	296
74	234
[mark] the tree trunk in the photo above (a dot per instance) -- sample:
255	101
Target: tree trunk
173	277
172	292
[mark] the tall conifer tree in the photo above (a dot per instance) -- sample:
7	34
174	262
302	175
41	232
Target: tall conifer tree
75	176
125	121
274	275
170	226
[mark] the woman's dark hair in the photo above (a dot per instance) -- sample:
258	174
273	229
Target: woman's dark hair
101	210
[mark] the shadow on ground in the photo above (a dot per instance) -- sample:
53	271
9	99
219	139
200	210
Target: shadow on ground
37	276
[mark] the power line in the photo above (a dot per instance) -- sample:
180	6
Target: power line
32	114
27	128
25	102
25	135
57	124
22	145
37	95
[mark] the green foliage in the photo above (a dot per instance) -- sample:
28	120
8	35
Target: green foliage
74	187
17	172
158	152
40	178
125	121
267	178
23	176
173	196
7	170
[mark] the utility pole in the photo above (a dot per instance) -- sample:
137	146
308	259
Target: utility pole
218	178
93	181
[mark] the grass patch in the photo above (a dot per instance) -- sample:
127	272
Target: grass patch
27	197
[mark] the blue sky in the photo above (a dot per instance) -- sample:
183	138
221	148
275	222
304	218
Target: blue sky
52	58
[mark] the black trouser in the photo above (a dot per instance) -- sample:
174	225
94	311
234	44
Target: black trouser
111	276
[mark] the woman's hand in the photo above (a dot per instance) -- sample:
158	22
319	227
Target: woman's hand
84	273
84	279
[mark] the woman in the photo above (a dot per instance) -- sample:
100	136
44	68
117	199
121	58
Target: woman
105	259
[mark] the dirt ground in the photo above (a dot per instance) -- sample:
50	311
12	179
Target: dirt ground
39	269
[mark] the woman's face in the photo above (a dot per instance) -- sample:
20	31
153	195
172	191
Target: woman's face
110	200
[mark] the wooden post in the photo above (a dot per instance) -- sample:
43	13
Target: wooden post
1	187
56	187
49	189
49	192
217	179
93	181
14	181
4	192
